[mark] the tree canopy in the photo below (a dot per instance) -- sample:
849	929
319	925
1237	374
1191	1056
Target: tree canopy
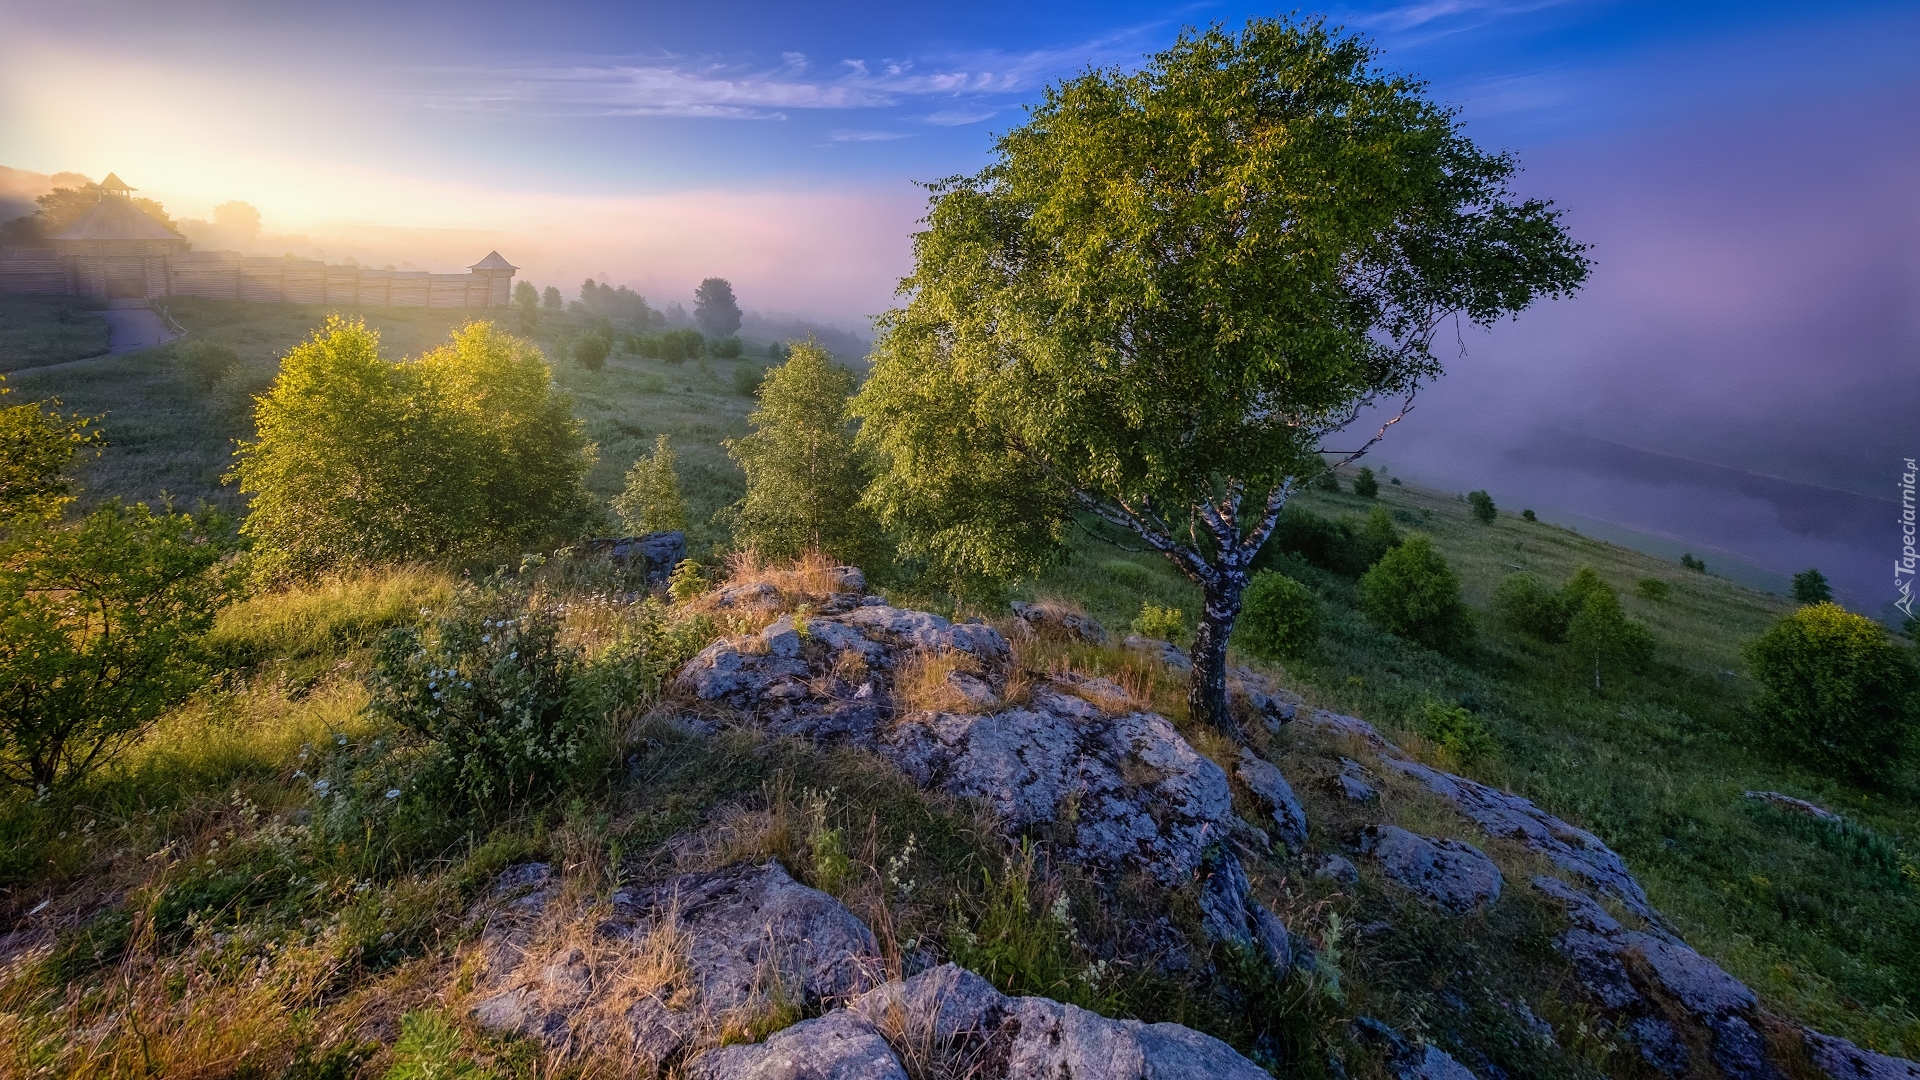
1170	287
359	460
714	308
804	472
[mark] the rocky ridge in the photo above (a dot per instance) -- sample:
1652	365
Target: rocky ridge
948	704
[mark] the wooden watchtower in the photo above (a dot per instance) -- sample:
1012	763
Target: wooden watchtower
115	251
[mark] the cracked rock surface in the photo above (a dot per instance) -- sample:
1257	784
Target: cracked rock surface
1450	873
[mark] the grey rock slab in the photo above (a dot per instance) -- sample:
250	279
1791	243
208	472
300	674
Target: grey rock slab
1793	805
1027	1038
1451	873
1043	618
838	1046
1164	651
1267	782
1351	727
1511	817
926	631
751	596
1352	784
1337	868
657	553
1434	1063
1141	794
1842	1060
1263	697
735	929
1229	913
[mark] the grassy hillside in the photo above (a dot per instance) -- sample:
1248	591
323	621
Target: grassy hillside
1824	925
40	330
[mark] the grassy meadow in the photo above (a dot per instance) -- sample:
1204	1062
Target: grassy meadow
210	920
40	330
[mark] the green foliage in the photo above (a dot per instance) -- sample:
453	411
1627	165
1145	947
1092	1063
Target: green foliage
1602	642
1152	296
1652	589
776	351
1810	586
429	1049
651	501
747	379
804	473
1483	508
486	686
1279	617
37	446
1161	623
727	348
1413	593
551	299
686	582
526	300
1837	693
206	361
672	346
1456	730
360	462
590	350
1335	544
714	309
1528	605
626	677
1023	940
1328	480
1691	563
1529	515
1366	485
101	631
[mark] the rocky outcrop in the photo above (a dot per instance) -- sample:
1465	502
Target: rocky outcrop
1351	782
656	553
1842	1060
1053	620
668	966
1449	873
1511	817
950	1022
1272	789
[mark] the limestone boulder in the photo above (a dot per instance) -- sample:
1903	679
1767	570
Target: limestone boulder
1273	791
1452	874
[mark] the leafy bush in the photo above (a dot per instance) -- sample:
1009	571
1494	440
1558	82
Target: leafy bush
652	642
1810	587
1529	515
206	361
1652	589
1836	692
1161	623
1691	563
1366	485
686	582
361	462
37	444
1601	640
591	350
1525	603
487	687
102	626
1413	593
1483	508
1279	617
804	473
651	501
727	348
1456	730
1338	545
747	379
1327	480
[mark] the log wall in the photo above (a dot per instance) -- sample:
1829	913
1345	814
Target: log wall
113	268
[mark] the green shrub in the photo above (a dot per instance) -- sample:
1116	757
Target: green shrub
1328	480
651	500
727	348
1456	730
805	476
1652	589
1338	545
1524	603
1162	623
1483	508
1413	593
486	686
429	1049
1601	641
686	582
1529	515
1366	485
591	350
1691	563
747	379
1836	692
102	628
652	642
1810	587
206	361
1279	617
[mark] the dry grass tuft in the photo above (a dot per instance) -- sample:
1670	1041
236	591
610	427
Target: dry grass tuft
923	682
913	1030
809	578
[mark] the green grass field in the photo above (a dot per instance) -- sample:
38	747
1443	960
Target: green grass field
1827	932
40	330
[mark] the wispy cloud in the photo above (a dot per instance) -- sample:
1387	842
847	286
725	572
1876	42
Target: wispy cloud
974	84
845	135
1440	17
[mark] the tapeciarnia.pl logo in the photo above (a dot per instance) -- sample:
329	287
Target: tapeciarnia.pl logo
1903	566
